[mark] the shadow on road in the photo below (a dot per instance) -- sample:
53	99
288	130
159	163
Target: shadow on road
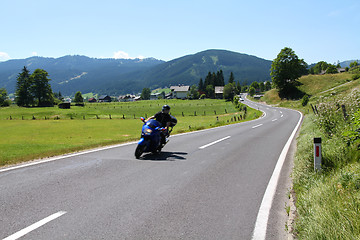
164	156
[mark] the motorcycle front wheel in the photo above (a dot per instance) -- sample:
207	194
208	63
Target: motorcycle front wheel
139	150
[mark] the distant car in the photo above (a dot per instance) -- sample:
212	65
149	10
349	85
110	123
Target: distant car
241	99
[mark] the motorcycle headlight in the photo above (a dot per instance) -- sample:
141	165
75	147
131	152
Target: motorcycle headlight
148	131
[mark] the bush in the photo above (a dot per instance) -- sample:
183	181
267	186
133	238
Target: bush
6	103
64	105
305	100
355	76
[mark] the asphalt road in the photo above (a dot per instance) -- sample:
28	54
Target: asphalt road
204	185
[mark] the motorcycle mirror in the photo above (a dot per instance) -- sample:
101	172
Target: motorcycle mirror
142	119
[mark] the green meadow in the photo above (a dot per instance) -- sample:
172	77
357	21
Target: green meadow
32	133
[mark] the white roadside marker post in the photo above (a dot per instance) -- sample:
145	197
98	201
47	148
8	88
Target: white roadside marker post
317	154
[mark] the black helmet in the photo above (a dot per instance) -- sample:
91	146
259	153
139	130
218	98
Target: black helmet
165	107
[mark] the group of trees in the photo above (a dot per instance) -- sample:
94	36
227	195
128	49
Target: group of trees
328	68
207	87
324	67
212	80
231	89
33	89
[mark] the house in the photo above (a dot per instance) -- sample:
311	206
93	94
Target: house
127	98
180	92
92	100
155	96
219	92
105	98
341	70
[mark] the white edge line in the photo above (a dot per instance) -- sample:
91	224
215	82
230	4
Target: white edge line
212	143
264	210
35	162
34	226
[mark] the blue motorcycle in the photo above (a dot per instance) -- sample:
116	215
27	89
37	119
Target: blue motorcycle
150	140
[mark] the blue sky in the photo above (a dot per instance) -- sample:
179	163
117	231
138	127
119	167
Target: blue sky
315	29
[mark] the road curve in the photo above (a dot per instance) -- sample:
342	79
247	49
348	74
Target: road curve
204	185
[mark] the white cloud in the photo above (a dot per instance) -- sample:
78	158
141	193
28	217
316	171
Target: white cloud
4	56
124	55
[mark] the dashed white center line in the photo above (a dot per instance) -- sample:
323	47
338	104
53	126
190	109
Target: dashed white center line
274	120
212	143
34	226
281	115
257	126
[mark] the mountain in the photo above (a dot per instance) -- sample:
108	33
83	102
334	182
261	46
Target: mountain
69	74
189	69
347	63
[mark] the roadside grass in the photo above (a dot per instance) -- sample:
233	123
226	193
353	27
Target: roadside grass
328	202
25	140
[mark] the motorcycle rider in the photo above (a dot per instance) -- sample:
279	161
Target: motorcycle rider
165	120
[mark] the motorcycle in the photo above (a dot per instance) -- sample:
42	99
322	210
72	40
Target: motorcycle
150	140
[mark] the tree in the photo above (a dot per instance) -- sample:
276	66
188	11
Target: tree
331	69
78	97
219	81
194	94
229	91
255	85
285	70
238	88
319	67
262	87
210	91
145	94
267	86
231	79
252	91
23	92
4	98
353	64
201	85
41	88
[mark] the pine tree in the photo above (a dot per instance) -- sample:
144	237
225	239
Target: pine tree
231	79
207	80
201	85
220	78
23	93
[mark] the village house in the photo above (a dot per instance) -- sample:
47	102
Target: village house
180	92
219	92
105	98
127	98
155	96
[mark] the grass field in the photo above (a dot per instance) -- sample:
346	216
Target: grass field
30	139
